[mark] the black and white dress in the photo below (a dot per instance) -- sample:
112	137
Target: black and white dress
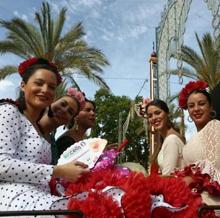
25	168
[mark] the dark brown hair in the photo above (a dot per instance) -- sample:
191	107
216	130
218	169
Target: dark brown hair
29	71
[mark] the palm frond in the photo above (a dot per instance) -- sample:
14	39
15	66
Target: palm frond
171	98
191	57
46	25
73	82
25	32
7	70
209	52
58	26
61	89
41	20
12	47
97	80
186	72
70	39
44	39
206	66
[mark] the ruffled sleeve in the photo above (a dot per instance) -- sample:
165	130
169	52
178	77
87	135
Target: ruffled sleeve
210	136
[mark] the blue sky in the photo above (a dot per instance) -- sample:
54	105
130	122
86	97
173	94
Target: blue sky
123	29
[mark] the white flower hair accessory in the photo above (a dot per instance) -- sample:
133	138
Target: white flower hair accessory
141	107
145	102
79	96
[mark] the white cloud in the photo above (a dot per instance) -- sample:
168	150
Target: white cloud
90	3
106	38
77	6
15	13
6	85
143	13
7	89
22	16
136	31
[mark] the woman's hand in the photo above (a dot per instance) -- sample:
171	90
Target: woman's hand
188	180
111	146
71	171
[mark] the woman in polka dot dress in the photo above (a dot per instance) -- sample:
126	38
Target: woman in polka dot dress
25	155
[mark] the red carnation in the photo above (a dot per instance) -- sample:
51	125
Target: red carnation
24	65
188	89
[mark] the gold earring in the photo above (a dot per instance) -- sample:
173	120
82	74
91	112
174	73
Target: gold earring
75	126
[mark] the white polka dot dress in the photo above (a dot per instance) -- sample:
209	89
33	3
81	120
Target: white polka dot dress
25	168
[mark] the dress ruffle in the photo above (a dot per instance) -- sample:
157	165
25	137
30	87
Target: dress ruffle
201	181
96	205
175	193
136	201
179	200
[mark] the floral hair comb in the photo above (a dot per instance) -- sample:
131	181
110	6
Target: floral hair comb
73	92
188	89
141	107
27	63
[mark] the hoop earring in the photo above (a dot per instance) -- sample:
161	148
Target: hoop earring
213	114
189	120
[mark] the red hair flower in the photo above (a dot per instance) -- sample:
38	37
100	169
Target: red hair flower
188	89
27	63
73	92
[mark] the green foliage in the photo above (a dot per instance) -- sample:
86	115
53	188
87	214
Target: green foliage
7	70
108	108
45	38
177	118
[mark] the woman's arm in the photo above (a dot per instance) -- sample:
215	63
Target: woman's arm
171	154
12	167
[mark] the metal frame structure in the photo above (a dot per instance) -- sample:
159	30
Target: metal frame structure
170	37
36	213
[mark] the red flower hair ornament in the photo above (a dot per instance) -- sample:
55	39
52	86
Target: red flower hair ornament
31	61
188	89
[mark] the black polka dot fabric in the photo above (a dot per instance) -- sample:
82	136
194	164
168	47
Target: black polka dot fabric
24	164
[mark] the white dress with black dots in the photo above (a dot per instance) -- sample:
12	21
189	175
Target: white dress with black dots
25	168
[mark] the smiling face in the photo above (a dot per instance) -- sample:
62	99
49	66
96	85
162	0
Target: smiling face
157	118
39	90
64	110
199	109
86	117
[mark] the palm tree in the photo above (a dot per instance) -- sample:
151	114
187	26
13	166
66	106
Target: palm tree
44	39
205	66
